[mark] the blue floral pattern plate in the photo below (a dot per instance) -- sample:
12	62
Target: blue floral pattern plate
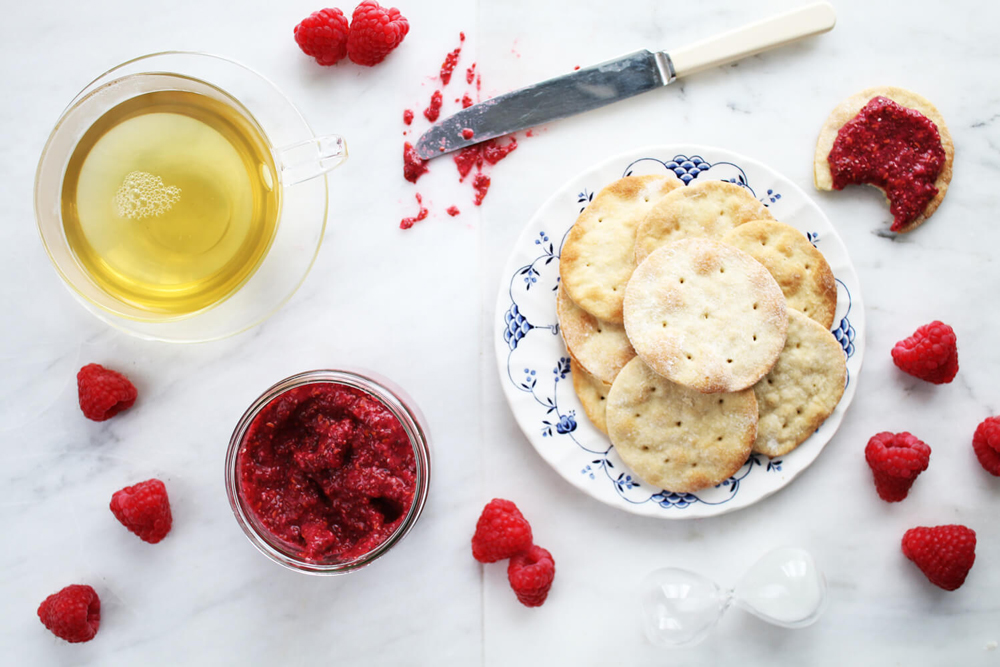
534	365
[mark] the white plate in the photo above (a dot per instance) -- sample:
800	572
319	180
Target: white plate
534	364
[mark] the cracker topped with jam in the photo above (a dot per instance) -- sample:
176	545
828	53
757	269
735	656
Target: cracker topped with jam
893	139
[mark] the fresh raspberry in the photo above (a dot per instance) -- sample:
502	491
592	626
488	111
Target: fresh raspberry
944	553
501	532
896	459
73	614
103	392
375	32
930	354
144	509
530	574
323	36
986	442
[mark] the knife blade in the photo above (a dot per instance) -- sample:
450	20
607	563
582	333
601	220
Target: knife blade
599	85
583	90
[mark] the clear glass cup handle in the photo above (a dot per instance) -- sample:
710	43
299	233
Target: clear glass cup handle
311	158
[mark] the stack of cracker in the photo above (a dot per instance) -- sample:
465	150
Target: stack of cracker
698	328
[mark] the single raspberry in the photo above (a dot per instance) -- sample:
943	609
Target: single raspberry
930	354
144	509
501	532
986	443
73	614
944	553
323	36
375	32
103	392
896	459
530	574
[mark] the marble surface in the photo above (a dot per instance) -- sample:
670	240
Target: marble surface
418	307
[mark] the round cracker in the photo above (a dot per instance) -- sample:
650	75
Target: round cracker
676	438
850	107
802	389
592	393
602	348
802	272
598	255
705	315
704	209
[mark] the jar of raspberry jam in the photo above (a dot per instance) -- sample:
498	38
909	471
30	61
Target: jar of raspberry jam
328	470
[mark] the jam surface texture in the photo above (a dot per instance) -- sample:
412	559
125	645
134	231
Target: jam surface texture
329	470
895	148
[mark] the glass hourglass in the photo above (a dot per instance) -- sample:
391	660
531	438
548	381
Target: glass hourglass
784	588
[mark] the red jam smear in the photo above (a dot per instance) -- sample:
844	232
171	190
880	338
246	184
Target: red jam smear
466	159
329	470
413	166
406	223
494	152
450	60
481	185
452	211
895	148
433	110
407	116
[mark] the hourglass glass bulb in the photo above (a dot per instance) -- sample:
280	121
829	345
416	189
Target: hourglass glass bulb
680	607
784	587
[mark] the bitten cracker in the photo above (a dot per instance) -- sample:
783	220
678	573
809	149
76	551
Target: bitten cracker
705	315
598	256
802	389
593	395
676	438
602	348
703	209
849	108
802	272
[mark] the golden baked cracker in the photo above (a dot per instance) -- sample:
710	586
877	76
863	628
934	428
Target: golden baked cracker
702	209
802	272
705	315
598	255
592	393
850	107
802	389
600	347
676	438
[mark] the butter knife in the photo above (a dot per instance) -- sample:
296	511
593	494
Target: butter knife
600	85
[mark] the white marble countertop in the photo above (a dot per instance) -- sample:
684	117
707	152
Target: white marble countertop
205	596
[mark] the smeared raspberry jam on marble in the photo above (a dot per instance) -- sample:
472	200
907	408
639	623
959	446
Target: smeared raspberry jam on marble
895	148
413	166
406	223
481	185
433	109
450	60
327	469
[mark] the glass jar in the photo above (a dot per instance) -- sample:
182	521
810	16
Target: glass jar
388	395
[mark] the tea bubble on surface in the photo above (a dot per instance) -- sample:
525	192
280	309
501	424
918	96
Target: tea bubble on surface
144	195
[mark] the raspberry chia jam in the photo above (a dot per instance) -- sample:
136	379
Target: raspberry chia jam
327	470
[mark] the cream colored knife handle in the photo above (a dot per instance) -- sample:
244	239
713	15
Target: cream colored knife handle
754	38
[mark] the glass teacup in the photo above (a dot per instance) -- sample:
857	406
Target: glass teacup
215	238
